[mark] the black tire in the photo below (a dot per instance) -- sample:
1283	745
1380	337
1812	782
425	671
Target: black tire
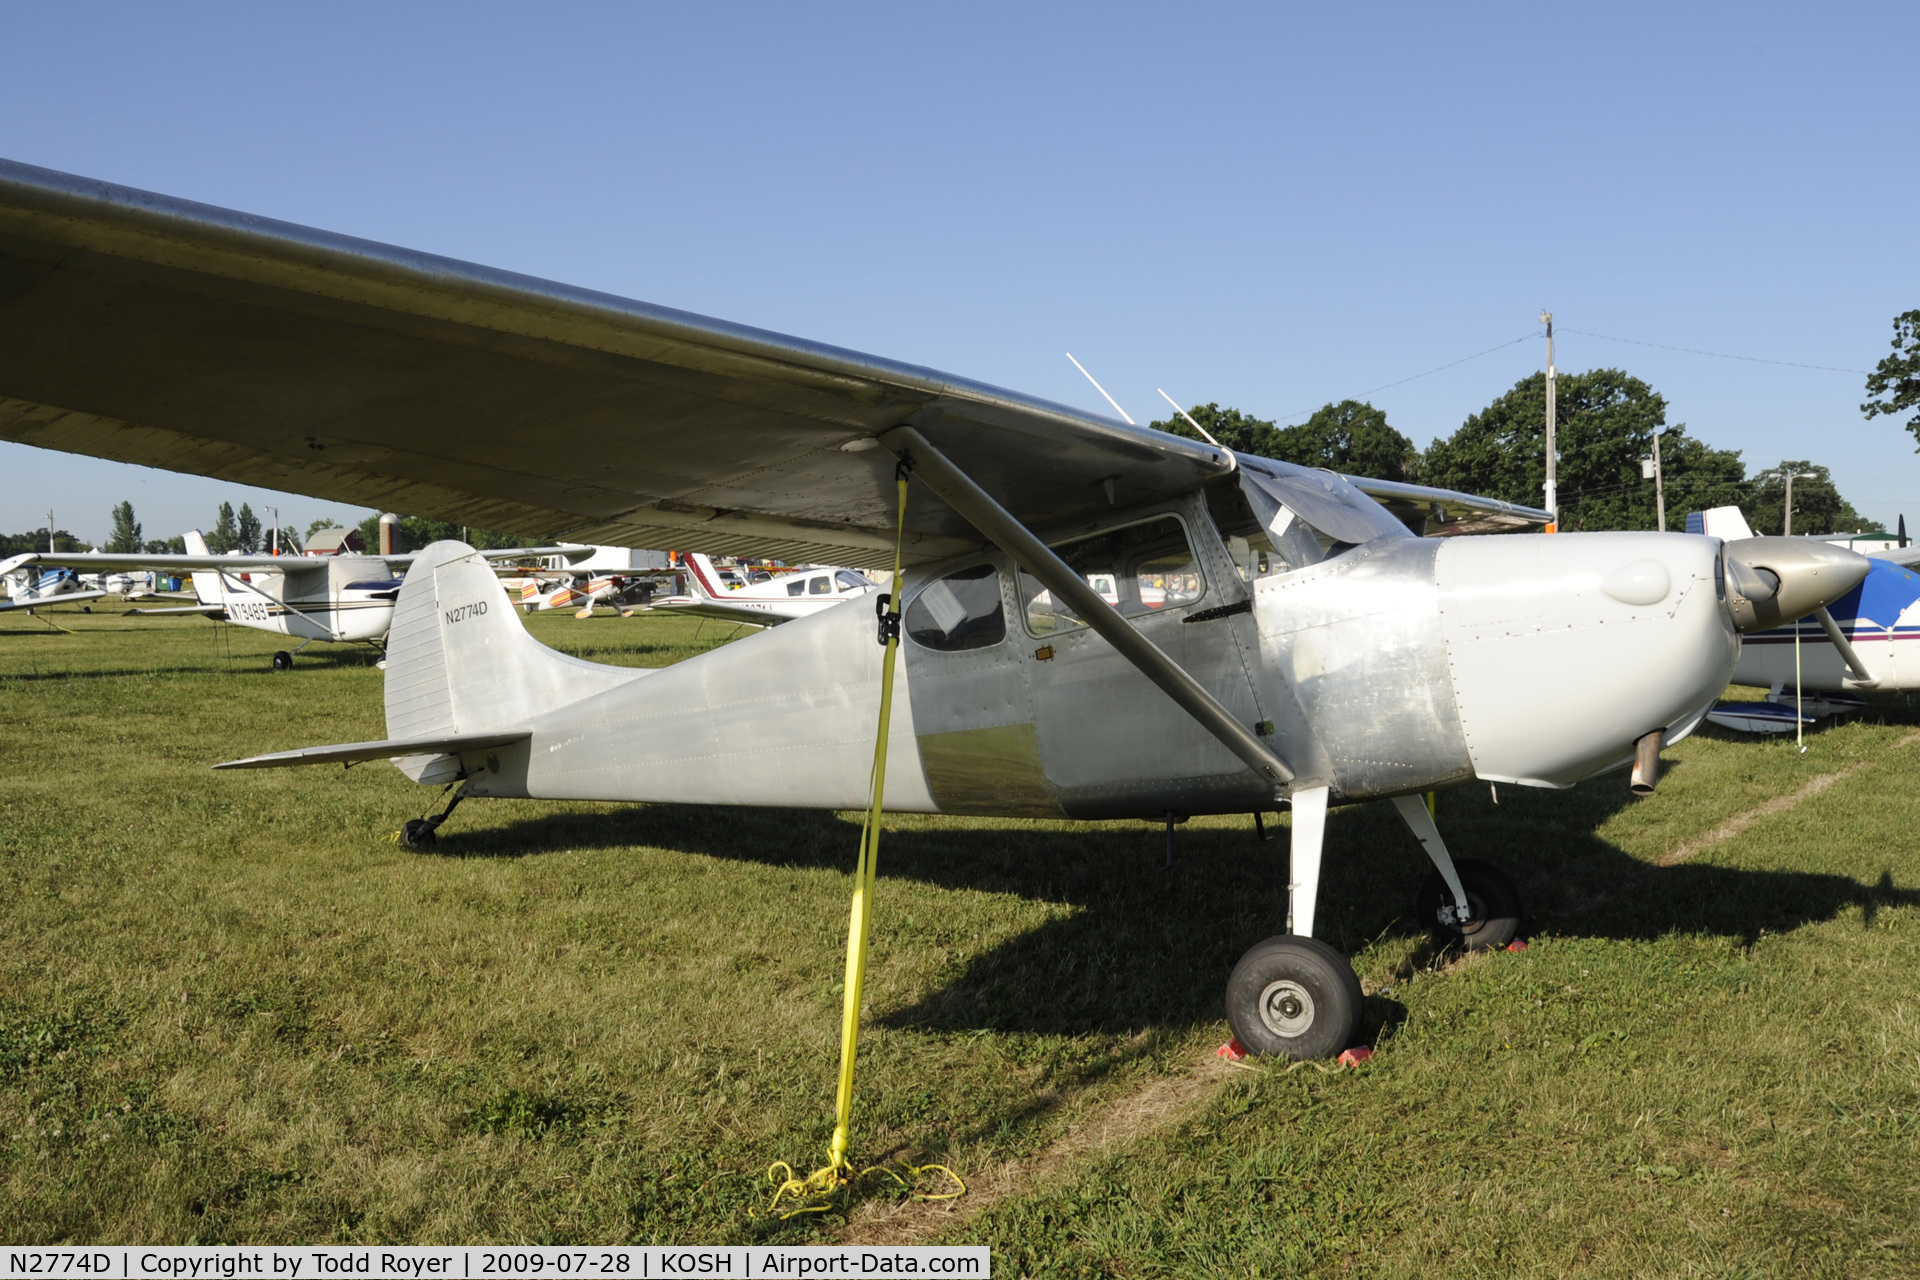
282	661
1496	907
418	834
1294	998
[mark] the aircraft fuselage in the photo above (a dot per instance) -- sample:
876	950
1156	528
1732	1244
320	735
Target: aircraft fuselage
1389	668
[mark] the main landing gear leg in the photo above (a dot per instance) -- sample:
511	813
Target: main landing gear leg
1471	904
1294	996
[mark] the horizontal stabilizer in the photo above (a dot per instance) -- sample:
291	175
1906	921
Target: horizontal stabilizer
47	602
354	752
209	610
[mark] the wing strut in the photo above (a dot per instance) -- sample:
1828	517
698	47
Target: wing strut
1861	676
979	509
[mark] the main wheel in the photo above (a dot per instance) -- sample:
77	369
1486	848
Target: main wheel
1296	998
1494	898
282	661
417	833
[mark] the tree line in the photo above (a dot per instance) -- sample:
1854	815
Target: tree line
1605	421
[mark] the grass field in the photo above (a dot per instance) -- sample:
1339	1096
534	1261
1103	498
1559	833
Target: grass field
231	1010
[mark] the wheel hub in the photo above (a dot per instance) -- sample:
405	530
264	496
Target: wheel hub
1286	1008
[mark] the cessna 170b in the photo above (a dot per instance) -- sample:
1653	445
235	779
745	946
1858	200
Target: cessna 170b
797	593
1309	649
337	599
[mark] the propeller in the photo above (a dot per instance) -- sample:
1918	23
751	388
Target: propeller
1773	581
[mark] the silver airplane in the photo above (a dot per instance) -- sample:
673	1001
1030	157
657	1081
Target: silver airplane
1276	636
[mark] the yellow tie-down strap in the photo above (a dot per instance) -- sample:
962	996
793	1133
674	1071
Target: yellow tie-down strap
816	1192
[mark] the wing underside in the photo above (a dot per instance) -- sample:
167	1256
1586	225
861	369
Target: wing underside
156	331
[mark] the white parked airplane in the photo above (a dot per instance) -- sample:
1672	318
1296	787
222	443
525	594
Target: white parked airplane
1866	639
31	589
337	599
1309	648
795	593
541	594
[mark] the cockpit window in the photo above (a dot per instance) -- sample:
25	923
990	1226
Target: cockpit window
1139	569
957	612
851	581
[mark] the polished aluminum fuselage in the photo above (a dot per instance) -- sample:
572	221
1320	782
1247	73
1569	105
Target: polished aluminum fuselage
1398	666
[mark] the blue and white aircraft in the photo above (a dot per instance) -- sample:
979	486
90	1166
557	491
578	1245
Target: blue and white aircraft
1867	639
29	589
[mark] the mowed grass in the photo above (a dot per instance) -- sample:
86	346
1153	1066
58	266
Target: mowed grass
231	1009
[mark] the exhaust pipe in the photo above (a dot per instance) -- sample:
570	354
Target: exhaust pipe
1646	763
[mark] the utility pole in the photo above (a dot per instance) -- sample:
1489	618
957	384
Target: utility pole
276	529
1650	470
1786	519
1553	494
50	547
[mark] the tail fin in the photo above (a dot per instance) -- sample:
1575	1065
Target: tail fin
459	661
1725	523
207	586
703	579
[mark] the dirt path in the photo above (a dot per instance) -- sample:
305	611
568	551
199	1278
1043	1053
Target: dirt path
1779	804
1157	1105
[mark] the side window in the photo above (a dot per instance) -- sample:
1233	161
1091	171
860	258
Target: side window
796	587
1140	569
960	611
820	585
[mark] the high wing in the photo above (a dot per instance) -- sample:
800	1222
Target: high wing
1906	557
718	609
112	561
1446	512
147	329
47	602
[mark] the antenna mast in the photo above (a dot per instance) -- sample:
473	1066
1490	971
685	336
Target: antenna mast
1102	390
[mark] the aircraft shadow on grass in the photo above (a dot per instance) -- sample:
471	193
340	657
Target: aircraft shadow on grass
1143	947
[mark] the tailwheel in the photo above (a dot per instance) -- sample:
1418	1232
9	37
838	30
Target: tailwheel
1495	900
1294	997
282	660
419	833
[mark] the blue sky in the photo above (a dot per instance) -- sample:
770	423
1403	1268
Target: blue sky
1266	206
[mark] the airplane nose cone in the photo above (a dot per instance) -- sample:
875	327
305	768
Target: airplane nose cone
1771	581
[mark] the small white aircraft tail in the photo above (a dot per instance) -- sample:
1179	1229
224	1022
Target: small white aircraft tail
703	579
460	662
207	586
1724	523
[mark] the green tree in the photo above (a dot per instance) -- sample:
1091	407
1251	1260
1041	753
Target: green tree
1896	379
1817	504
1606	419
13	544
414	533
166	547
1232	428
1349	437
126	531
226	534
247	531
1353	438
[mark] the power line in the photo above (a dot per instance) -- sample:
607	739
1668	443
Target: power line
1525	337
1718	355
